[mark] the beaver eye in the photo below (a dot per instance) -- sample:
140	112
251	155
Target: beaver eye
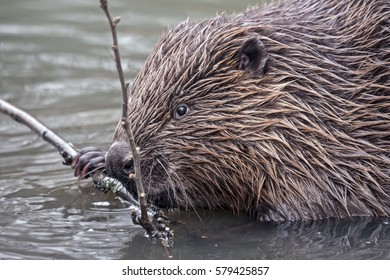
181	111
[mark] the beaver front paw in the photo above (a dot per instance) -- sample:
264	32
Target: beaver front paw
88	161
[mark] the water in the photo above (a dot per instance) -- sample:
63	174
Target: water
54	63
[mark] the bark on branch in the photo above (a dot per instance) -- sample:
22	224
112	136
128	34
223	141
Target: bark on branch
66	150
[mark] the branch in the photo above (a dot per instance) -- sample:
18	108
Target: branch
115	48
66	150
162	232
144	220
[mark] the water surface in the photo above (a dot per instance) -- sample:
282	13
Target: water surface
55	63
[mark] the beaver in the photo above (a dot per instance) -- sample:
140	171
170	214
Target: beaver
281	111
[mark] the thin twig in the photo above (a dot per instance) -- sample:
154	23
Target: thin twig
144	221
113	23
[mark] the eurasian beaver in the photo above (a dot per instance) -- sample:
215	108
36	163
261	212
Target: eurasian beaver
281	111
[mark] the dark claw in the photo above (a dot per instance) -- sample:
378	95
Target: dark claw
87	161
92	165
83	151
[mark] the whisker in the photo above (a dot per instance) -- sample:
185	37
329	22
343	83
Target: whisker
179	184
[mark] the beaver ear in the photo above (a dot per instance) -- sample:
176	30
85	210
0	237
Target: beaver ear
252	56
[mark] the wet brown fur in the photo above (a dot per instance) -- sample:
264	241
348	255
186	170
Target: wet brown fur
307	139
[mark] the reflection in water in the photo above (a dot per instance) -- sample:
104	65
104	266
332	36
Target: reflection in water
357	238
55	64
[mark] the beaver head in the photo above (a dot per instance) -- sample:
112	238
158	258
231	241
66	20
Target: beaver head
281	112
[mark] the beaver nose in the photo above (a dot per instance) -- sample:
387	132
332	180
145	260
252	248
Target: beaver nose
119	161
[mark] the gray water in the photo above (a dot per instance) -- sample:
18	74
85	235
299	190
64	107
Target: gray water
55	64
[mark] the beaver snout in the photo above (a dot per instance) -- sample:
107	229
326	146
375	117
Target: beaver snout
119	161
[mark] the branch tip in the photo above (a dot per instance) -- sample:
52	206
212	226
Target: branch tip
103	4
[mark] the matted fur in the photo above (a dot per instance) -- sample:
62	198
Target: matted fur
308	139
